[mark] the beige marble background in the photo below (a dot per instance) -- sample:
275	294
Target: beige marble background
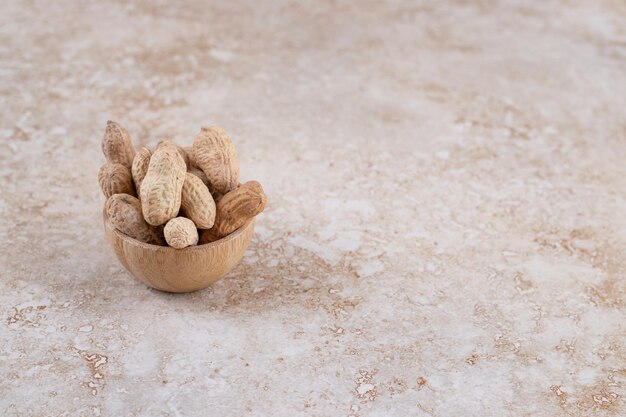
446	233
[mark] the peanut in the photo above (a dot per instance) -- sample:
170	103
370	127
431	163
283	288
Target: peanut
192	161
140	167
235	209
180	232
181	151
115	179
124	213
215	154
117	146
200	174
161	187
197	202
207	236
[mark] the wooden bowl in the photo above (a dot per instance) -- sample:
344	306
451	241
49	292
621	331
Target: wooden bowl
179	270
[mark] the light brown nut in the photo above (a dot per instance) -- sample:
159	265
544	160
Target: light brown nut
192	160
117	146
200	174
215	154
124	213
161	187
181	151
140	167
115	179
235	209
180	232
197	202
206	237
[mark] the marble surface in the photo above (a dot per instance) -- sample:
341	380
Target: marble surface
446	232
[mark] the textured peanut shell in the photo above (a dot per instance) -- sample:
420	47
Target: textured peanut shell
162	186
197	202
117	146
140	167
180	232
124	213
184	155
180	149
200	174
115	179
215	154
192	161
235	209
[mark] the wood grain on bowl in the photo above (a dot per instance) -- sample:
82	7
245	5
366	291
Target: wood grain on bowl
179	270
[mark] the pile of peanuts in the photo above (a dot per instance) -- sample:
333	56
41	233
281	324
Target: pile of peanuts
176	196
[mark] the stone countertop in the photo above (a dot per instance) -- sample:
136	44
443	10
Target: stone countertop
446	232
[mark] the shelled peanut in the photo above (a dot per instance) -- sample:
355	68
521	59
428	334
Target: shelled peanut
179	196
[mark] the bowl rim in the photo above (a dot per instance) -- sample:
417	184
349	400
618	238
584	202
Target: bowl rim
158	248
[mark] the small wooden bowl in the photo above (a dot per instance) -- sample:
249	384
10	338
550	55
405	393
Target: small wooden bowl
179	270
